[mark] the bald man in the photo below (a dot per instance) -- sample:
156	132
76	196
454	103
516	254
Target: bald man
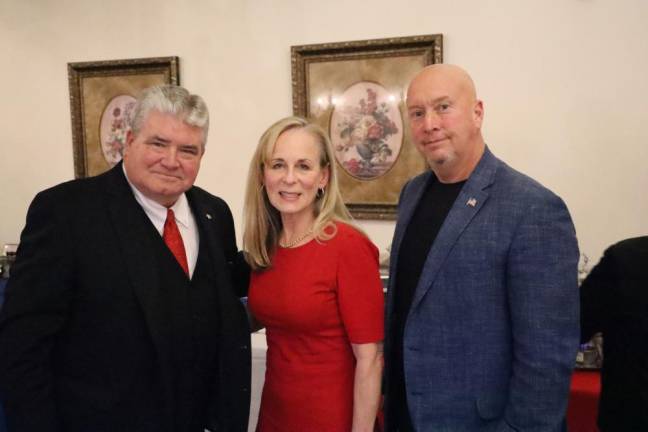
482	306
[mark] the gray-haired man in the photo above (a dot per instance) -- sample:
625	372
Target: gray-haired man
122	312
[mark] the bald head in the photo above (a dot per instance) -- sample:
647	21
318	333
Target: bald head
446	76
445	118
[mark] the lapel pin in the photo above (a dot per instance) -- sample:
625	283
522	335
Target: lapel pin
208	216
472	202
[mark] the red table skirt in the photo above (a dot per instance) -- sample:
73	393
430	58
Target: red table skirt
582	409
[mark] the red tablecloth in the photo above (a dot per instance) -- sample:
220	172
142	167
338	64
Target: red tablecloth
583	401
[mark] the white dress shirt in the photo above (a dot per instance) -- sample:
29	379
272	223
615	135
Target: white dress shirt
184	219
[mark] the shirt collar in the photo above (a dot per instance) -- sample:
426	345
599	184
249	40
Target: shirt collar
158	212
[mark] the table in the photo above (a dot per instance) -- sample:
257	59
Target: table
582	409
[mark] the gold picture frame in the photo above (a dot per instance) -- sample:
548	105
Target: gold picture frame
355	90
101	93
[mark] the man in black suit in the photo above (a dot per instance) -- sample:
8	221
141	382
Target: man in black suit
122	312
614	301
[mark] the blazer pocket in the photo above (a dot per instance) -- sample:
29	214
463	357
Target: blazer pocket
491	407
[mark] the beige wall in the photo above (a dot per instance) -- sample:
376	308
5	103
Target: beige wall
564	84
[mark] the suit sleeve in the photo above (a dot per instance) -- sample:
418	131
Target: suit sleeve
36	306
543	306
594	296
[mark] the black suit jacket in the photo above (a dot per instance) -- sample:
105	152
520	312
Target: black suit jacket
614	301
80	332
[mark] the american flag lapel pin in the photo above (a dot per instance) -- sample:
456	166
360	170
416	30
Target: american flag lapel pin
472	202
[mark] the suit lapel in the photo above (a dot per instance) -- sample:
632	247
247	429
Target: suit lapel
406	209
208	227
471	199
134	234
136	237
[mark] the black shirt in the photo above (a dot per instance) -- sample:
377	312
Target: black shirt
420	234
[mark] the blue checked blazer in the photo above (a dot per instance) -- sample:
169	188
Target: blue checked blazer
491	337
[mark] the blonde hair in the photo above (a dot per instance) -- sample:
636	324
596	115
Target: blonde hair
262	222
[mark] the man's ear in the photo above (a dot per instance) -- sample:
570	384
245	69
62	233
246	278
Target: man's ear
130	136
478	113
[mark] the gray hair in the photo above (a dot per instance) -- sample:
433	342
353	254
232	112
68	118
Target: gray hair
171	99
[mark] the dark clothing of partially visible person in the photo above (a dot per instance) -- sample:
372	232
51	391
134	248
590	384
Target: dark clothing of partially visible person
614	301
103	331
430	213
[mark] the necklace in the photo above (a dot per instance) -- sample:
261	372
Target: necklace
296	241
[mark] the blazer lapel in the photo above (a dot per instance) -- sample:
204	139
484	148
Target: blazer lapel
136	237
208	226
470	200
406	210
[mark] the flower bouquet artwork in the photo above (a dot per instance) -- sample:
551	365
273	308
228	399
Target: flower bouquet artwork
366	130
102	97
355	90
114	127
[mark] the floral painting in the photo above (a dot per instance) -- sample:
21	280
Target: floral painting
355	90
102	96
366	130
114	127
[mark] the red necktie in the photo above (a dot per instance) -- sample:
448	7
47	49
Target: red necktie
173	240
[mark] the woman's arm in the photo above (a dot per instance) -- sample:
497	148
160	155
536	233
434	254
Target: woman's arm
366	386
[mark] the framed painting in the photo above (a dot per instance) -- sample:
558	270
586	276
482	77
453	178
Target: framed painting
356	91
102	95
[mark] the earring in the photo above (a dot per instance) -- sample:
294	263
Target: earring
320	192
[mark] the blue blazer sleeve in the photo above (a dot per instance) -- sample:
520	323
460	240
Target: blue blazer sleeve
543	300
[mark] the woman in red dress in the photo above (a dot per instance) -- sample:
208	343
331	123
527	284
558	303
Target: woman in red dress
315	287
